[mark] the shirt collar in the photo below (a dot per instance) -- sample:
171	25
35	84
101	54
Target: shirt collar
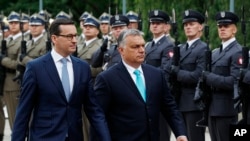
132	69
89	41
225	44
190	42
57	57
14	37
38	37
157	39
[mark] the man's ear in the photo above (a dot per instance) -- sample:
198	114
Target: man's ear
53	38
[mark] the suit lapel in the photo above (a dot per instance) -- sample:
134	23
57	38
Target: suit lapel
217	55
53	74
185	53
149	49
147	79
125	76
84	49
76	70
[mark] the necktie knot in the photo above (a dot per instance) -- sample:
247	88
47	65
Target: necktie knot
152	44
64	61
221	48
137	72
187	46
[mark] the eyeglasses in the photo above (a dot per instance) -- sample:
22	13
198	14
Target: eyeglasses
69	36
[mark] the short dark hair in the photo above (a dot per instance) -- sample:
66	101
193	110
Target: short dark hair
55	26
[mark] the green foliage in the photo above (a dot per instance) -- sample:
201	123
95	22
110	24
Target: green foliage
97	7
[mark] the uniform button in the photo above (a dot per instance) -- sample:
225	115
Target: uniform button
149	120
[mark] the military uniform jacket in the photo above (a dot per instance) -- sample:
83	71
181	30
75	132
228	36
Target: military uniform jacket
108	58
191	66
160	53
27	36
10	63
86	52
34	50
80	40
246	80
1	38
225	70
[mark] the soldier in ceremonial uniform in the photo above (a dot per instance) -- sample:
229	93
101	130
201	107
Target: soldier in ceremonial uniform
104	25
85	51
25	25
159	53
188	73
111	56
225	71
246	80
12	88
133	20
81	38
91	44
36	47
63	14
2	116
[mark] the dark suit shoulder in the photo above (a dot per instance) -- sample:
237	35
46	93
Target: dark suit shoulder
41	58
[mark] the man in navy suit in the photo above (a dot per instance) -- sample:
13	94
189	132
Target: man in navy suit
56	113
132	116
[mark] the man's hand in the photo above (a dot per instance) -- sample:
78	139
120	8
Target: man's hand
181	138
104	45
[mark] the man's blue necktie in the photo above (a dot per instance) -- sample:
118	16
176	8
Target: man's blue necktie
65	78
140	85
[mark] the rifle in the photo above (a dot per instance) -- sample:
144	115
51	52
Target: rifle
203	92
139	20
20	68
3	53
241	96
48	42
175	85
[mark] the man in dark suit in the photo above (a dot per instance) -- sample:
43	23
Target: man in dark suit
133	111
225	71
55	106
190	69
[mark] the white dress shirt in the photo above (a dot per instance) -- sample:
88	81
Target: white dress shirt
57	60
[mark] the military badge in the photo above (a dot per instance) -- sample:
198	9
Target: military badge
156	12
170	54
186	13
240	60
222	14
